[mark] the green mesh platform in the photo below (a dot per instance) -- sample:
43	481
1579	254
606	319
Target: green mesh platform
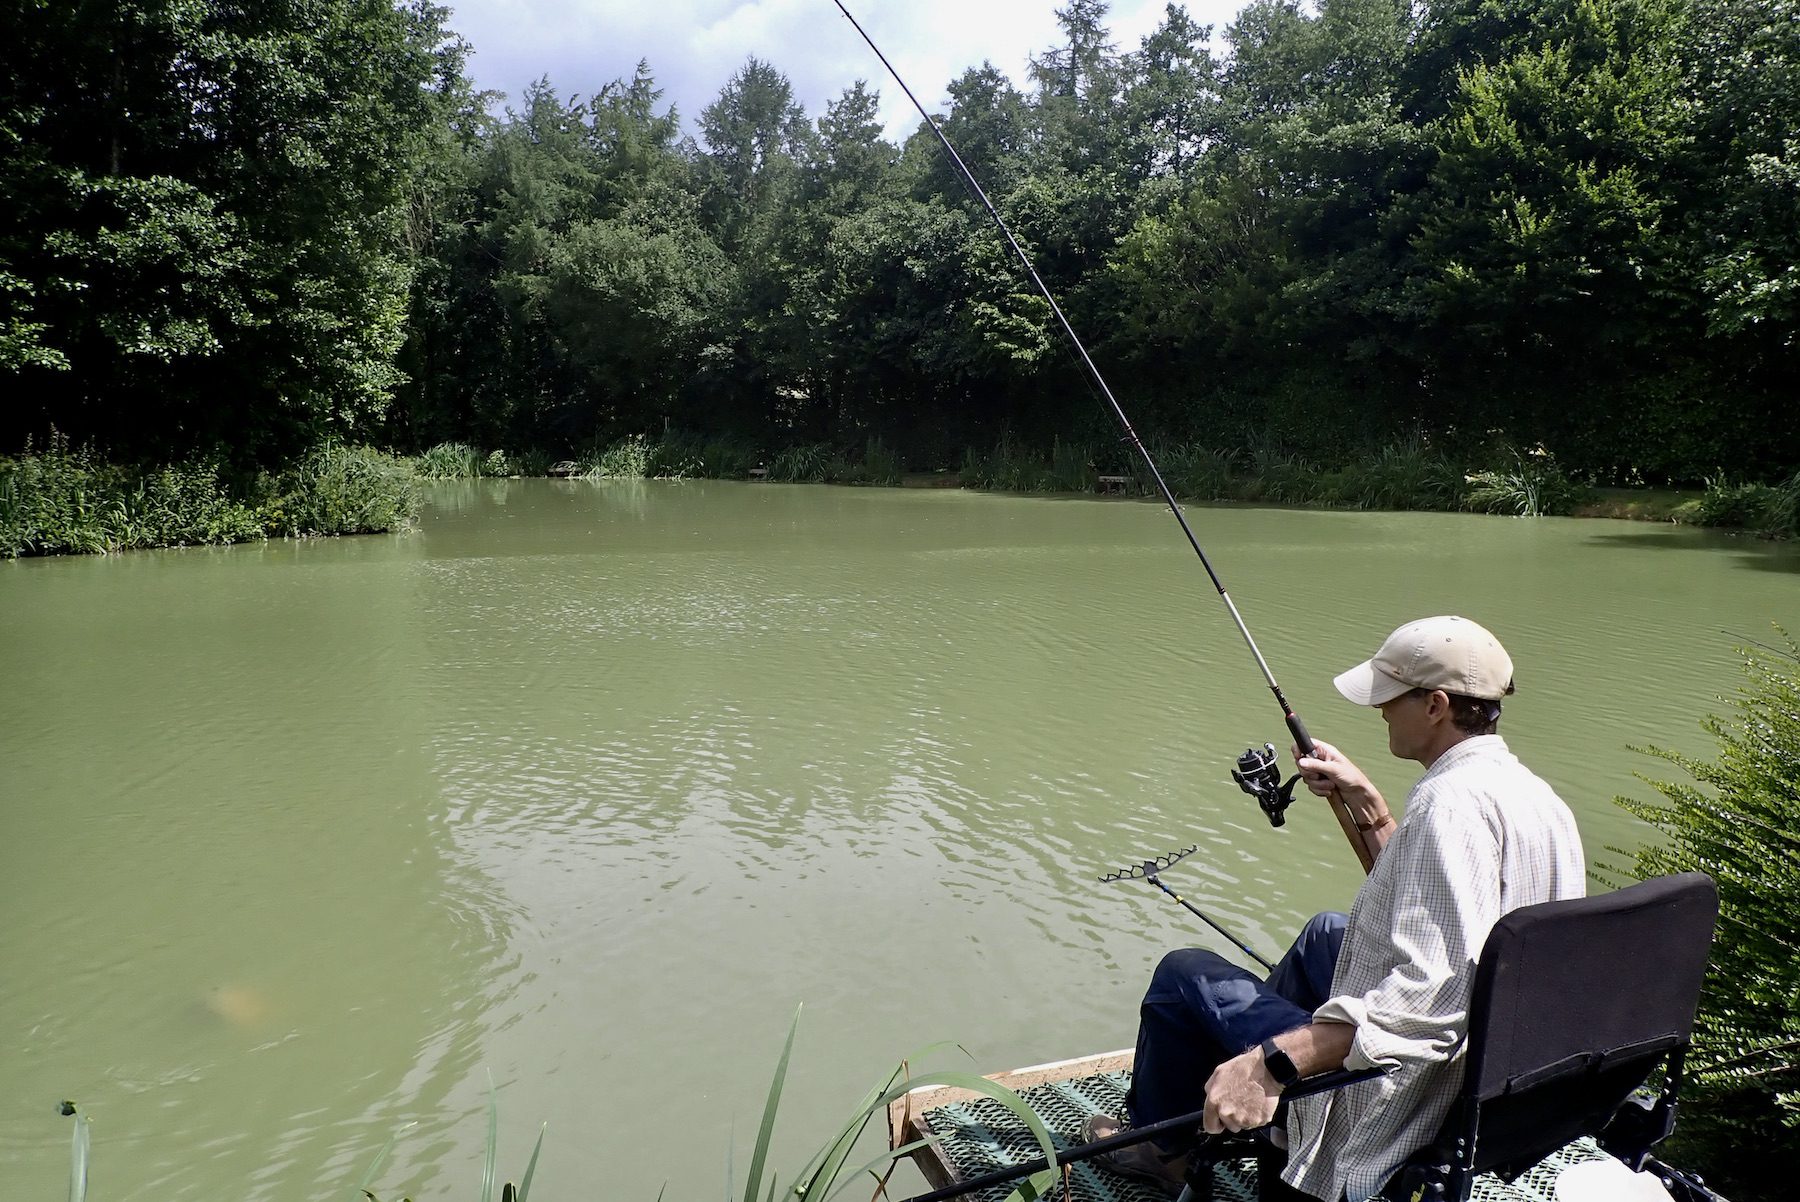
980	1136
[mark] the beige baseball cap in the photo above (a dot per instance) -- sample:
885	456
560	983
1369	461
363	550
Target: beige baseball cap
1448	653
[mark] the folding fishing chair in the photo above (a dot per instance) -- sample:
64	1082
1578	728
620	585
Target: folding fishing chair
1575	1006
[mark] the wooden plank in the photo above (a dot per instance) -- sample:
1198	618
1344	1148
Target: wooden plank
905	1112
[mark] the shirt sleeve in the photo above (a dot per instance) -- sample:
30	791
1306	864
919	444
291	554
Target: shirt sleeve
1446	882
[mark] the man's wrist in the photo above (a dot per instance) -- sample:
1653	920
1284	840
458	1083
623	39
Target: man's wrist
1277	1066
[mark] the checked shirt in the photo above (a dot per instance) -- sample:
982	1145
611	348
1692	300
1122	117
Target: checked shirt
1481	836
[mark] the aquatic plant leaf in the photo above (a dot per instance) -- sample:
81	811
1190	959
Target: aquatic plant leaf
493	1141
78	1159
1037	1182
761	1155
887	1157
369	1174
531	1165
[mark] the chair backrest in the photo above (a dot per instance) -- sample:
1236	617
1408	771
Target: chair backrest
1574	1002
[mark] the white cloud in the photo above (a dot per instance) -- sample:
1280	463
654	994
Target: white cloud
694	46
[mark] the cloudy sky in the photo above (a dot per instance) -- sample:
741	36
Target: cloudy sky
694	46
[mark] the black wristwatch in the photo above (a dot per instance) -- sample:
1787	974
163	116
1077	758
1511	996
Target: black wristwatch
1280	1066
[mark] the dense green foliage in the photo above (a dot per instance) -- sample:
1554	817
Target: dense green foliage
238	231
1556	223
1737	822
60	499
206	205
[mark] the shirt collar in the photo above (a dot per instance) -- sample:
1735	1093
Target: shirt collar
1474	747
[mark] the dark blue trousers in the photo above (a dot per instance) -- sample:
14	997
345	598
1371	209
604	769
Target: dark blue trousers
1201	1010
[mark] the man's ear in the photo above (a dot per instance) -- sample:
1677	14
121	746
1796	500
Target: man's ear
1437	706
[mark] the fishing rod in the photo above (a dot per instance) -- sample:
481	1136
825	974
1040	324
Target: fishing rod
1744	638
1273	797
1151	870
1183	1125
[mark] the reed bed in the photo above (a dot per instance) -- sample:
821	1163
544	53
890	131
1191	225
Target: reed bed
60	499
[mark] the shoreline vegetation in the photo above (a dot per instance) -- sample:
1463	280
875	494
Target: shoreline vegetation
62	499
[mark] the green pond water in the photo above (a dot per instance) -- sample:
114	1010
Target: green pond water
587	786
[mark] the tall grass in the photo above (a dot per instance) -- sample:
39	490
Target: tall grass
825	1169
1403	475
451	461
340	489
1281	477
1783	512
880	465
723	459
1071	468
674	457
811	463
68	500
627	459
1195	472
1527	484
1769	509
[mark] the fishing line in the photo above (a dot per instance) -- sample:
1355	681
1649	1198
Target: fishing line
1295	727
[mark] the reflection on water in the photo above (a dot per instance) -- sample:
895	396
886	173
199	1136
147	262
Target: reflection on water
587	785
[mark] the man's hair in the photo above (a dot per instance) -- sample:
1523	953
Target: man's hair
1471	715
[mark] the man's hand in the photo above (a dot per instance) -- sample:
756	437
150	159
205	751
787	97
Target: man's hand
1240	1094
1328	768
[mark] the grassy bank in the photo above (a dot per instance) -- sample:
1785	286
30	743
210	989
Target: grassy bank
59	499
1404	475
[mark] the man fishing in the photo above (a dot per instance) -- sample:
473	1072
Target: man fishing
1388	986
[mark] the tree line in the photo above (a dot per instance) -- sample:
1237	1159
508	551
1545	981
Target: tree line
242	230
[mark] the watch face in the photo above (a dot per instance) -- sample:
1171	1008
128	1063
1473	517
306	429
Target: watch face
1280	1066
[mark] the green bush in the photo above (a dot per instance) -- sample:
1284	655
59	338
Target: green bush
1281	477
340	489
977	470
1739	821
1743	506
1071	468
451	461
878	466
1526	484
55	501
183	505
1402	475
627	459
1193	471
71	501
63	500
1016	469
808	464
721	459
1783	515
674	459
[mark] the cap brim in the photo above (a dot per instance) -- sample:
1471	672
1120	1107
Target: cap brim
1365	684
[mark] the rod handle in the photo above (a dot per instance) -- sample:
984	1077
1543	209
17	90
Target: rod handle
1340	808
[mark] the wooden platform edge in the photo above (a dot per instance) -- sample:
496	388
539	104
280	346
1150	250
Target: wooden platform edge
905	1111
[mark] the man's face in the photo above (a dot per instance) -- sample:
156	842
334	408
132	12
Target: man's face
1409	723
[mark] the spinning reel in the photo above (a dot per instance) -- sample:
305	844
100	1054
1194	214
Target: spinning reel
1258	774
